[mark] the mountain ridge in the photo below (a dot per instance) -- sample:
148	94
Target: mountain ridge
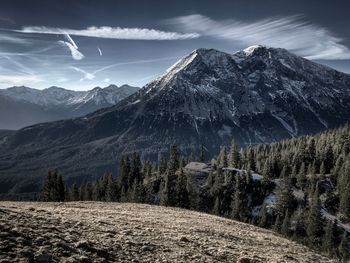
28	106
207	98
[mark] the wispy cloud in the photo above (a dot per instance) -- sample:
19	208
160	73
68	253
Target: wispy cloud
6	38
19	79
92	75
293	33
72	47
111	32
87	75
99	51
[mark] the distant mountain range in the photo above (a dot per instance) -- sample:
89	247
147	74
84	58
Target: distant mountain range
23	106
257	95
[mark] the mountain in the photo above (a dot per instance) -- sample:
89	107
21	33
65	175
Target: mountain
257	95
23	106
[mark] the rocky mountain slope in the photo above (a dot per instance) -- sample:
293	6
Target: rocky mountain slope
122	232
23	106
257	95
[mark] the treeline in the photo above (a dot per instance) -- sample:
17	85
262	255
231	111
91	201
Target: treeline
304	180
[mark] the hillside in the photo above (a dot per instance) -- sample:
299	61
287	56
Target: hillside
123	232
258	95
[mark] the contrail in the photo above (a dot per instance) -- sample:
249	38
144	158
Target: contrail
67	36
90	76
99	51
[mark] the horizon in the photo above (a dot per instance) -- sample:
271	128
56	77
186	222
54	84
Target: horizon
82	45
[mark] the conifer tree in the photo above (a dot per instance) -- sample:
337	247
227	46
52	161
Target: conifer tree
328	159
311	151
315	222
263	217
202	154
216	208
330	237
222	158
182	196
237	200
285	228
74	194
61	189
301	177
344	206
278	224
344	247
47	188
162	166
284	196
124	174
234	159
111	190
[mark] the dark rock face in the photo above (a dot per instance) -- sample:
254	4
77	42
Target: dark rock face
258	95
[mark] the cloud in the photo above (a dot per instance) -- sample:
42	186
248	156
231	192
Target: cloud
70	40
72	46
292	33
19	79
107	80
92	75
99	51
87	75
5	38
111	32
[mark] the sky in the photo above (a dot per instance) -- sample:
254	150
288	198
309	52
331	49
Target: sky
83	44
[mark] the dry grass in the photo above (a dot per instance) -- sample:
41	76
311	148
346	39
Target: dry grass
123	232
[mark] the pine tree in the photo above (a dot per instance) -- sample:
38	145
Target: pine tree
162	166
61	189
285	196
267	170
222	158
278	224
111	190
74	194
285	228
301	177
174	161
124	174
263	217
312	151
328	159
135	170
344	206
299	229
330	238
237	200
202	154
88	192
234	159
344	247
47	188
315	222
216	208
251	159
182	196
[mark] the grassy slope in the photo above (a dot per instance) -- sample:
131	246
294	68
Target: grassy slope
120	232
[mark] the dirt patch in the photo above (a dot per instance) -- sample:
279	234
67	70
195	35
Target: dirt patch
123	232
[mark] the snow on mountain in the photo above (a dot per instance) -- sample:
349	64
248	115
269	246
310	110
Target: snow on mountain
54	96
257	95
28	106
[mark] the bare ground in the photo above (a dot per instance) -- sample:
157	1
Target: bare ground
124	232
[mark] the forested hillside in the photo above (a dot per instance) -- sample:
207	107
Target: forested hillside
298	187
